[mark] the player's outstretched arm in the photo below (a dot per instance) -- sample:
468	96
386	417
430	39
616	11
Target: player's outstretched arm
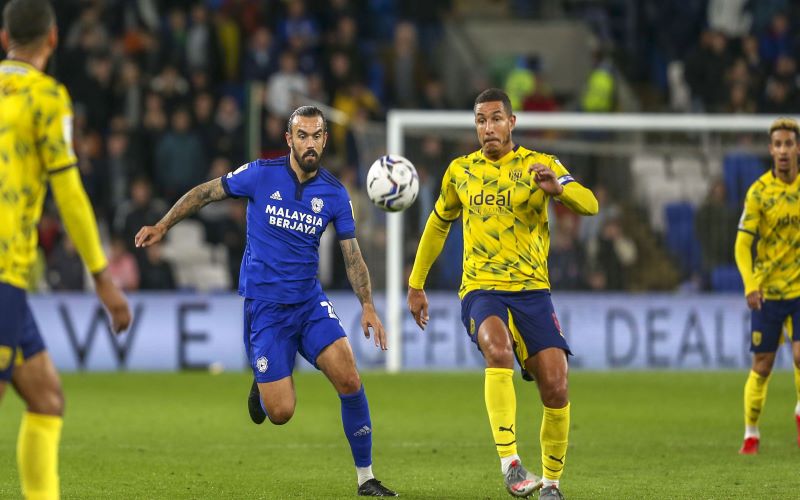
189	204
430	246
358	274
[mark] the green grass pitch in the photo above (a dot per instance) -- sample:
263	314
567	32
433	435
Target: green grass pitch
634	435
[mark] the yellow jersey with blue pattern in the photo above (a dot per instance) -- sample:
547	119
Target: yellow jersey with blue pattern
504	217
35	142
772	214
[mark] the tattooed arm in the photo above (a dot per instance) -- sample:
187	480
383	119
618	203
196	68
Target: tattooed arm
358	274
189	204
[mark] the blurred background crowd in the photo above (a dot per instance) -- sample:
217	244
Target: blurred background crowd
170	93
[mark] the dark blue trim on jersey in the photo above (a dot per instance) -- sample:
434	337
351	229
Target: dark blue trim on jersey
299	186
62	169
449	221
515	148
225	187
748	232
346	236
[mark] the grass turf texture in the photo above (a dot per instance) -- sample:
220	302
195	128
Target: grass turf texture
634	435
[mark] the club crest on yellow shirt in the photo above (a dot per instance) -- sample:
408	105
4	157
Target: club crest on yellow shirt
515	174
756	338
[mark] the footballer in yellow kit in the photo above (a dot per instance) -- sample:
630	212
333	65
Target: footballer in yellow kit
771	279
36	151
501	192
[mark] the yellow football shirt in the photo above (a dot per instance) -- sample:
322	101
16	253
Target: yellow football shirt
772	213
506	233
35	143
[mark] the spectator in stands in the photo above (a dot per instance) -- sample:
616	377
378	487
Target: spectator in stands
171	86
122	266
235	239
612	252
599	96
705	70
229	131
180	161
260	59
215	216
716	223
156	273
203	112
566	262
140	210
285	88
273	141
202	47
128	93
777	40
65	267
404	67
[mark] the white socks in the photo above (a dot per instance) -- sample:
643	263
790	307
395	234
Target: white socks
505	462
549	482
797	409
751	431
364	474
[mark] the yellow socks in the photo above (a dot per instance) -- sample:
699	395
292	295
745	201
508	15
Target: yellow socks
553	437
37	456
755	393
797	387
501	404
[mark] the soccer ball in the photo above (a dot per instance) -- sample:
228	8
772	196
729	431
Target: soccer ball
392	183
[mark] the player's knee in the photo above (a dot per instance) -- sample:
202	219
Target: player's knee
499	355
349	384
554	393
281	414
49	401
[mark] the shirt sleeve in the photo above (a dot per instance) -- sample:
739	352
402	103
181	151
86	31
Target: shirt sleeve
751	214
343	217
448	205
242	182
54	129
575	196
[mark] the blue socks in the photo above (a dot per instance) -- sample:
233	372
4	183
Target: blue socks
357	426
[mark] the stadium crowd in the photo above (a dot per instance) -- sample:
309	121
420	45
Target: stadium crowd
162	91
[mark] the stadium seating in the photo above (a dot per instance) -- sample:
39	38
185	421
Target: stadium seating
739	171
726	279
680	236
198	265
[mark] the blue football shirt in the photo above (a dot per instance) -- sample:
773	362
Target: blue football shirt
285	219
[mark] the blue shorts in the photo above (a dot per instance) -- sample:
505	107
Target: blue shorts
766	325
274	334
529	316
19	336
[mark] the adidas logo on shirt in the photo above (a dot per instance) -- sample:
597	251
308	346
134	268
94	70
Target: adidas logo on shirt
276	195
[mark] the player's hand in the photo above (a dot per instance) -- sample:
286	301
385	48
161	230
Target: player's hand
369	318
754	300
418	305
546	179
113	300
149	235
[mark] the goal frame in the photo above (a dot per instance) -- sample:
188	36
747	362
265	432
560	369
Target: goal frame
398	121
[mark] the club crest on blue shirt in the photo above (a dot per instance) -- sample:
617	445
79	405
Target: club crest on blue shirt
316	205
261	364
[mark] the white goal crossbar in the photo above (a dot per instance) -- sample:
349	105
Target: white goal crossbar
399	121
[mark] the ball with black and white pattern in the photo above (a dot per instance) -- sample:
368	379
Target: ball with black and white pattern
392	183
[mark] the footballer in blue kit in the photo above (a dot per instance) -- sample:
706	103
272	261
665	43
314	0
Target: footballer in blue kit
291	201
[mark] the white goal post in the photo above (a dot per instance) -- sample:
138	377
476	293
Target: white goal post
399	121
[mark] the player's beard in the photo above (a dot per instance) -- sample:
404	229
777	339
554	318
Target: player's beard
308	163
